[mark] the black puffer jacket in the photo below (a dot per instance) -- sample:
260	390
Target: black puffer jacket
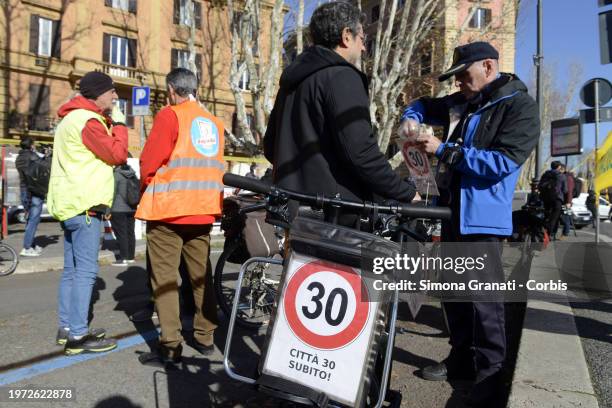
120	202
319	135
22	161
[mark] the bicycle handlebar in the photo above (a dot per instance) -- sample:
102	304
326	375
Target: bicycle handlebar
319	200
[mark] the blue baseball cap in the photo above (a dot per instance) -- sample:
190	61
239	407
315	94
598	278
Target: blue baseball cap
465	55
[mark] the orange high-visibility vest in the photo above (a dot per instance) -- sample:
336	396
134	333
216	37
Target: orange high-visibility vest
191	182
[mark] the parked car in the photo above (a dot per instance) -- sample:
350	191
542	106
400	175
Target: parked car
581	216
604	205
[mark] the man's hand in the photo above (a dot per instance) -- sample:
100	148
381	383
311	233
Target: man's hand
117	116
417	197
409	129
428	142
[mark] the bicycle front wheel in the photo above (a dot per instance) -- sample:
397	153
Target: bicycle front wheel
8	259
259	288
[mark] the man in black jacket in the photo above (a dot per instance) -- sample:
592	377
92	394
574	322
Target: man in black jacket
319	136
31	201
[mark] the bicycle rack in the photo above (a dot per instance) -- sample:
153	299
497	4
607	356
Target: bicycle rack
232	322
248	380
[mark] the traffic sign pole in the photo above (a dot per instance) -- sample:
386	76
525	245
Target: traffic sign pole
596	148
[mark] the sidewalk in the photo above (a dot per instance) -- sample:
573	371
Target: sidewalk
49	236
551	367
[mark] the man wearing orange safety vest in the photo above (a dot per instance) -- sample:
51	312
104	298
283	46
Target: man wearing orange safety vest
181	169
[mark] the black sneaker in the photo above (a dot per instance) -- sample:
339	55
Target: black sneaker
205	350
88	344
159	359
62	335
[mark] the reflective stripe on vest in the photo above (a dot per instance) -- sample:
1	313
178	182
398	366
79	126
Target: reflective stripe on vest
191	162
190	183
184	185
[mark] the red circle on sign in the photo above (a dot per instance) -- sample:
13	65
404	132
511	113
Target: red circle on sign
349	333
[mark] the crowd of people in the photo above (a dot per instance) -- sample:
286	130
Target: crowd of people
319	139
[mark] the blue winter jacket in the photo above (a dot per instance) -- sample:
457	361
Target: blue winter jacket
497	139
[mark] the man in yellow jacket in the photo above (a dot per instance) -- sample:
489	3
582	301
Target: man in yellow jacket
181	170
88	142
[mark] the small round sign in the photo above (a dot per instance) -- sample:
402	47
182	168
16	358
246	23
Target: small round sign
326	305
415	159
587	93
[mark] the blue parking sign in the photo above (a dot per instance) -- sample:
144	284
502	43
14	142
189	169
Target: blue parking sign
140	100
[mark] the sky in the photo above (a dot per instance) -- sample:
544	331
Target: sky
570	34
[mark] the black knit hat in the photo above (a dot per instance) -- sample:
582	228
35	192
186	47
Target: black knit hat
94	84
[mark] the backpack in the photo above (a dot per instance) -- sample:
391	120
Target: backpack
549	186
132	195
37	175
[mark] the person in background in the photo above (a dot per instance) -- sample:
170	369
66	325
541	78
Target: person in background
32	202
533	198
553	188
90	139
122	216
251	173
591	205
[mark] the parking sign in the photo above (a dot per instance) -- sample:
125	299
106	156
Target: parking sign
140	100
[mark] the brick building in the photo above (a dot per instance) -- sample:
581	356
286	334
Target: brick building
46	46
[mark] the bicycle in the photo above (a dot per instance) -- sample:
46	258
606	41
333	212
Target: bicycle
261	278
341	246
8	259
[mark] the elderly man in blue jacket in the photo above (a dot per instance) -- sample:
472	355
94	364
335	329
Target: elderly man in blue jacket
491	127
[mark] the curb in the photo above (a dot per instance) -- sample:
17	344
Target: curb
106	257
551	369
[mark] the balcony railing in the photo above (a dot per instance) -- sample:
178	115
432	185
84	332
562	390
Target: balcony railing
24	122
132	75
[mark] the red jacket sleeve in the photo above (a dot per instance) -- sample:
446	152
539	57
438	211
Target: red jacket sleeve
159	146
111	150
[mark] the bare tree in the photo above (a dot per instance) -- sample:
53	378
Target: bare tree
300	27
249	50
557	97
398	35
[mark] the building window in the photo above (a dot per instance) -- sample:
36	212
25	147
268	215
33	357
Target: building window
125	5
426	63
39	110
45	36
125	105
180	59
181	13
481	18
120	51
245	80
375	13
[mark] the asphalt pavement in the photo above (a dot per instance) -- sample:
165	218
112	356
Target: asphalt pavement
116	379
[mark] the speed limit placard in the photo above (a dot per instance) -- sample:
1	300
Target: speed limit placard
323	328
324	306
417	162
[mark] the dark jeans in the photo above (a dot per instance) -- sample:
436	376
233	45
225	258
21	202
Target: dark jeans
34	211
567	223
123	226
553	213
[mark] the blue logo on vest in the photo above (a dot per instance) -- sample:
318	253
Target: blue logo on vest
205	136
